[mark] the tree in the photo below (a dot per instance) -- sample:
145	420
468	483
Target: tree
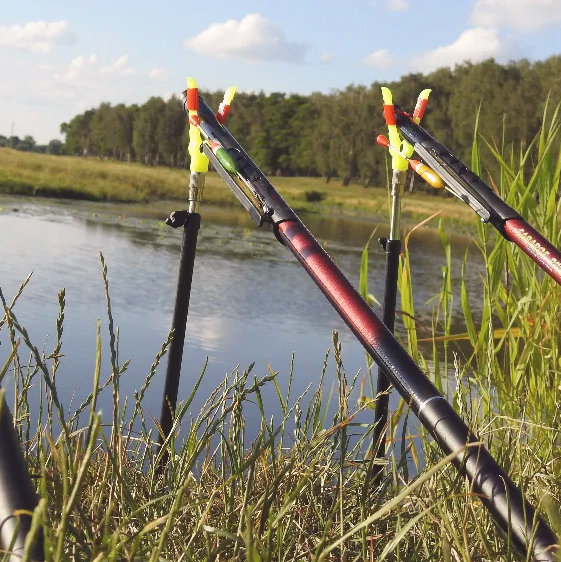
54	147
123	130
170	132
102	135
145	130
27	144
77	134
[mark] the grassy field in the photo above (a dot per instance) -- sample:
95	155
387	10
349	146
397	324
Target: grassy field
23	173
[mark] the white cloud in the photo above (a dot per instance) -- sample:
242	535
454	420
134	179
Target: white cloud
119	67
475	44
379	59
39	96
81	80
397	5
78	74
253	39
36	36
520	15
158	74
77	63
326	58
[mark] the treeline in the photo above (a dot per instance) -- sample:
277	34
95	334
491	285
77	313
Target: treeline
332	135
28	144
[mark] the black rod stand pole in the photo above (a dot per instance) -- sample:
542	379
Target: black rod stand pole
392	248
17	494
191	223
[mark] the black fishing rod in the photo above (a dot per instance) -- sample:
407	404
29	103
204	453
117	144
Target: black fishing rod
513	514
17	495
470	188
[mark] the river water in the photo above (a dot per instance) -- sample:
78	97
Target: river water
250	302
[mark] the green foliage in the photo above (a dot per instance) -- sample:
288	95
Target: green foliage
521	300
27	144
55	147
170	132
333	135
78	133
145	139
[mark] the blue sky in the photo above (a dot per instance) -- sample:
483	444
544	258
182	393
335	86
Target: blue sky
59	58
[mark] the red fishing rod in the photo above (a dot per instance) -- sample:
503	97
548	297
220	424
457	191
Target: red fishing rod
470	188
513	514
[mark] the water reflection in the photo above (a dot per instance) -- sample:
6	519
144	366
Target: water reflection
251	301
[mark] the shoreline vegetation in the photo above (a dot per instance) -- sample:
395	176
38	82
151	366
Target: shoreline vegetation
136	185
326	134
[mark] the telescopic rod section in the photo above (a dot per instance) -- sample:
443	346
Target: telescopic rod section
502	498
488	480
392	248
17	495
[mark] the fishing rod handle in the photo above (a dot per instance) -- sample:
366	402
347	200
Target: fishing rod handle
513	514
536	246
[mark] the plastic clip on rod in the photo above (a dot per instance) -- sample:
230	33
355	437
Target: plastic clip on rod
498	493
224	109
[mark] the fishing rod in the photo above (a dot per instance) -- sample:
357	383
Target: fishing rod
190	220
470	188
17	495
513	514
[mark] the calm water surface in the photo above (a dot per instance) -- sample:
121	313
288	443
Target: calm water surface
250	302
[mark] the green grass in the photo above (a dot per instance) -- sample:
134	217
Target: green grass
298	490
24	173
298	493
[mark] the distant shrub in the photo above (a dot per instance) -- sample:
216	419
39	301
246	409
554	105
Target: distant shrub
314	196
